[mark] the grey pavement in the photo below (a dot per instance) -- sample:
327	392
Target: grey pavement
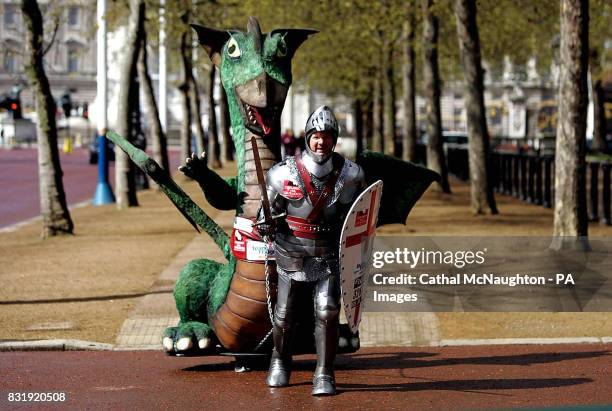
156	311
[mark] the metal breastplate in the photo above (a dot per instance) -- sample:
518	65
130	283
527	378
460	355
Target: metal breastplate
287	193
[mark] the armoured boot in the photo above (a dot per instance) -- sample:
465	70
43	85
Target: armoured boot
280	363
326	341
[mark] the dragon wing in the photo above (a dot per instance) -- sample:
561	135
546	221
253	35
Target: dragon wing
404	184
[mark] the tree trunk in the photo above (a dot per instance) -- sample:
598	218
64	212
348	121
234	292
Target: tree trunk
377	113
184	87
225	127
478	136
368	123
124	169
141	179
53	207
214	150
196	113
599	110
431	78
570	216
358	113
388	99
409	137
157	136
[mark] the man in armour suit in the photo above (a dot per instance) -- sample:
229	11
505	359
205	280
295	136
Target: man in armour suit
315	189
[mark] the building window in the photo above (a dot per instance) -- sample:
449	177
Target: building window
10	15
73	16
73	60
9	63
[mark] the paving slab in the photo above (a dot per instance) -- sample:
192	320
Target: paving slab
156	311
144	327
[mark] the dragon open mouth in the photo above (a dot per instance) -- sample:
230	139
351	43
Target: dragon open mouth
261	101
260	120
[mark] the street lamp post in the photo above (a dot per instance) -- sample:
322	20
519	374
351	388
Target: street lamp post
104	193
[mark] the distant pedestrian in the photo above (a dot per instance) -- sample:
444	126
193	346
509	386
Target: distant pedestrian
289	143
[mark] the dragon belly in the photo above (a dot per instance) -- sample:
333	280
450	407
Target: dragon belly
243	320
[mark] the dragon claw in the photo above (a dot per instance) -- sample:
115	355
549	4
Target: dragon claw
194	166
168	344
204	343
184	344
191	338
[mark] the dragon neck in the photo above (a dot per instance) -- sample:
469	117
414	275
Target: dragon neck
247	175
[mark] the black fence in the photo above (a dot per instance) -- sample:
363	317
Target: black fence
529	177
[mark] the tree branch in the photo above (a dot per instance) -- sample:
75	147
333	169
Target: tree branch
55	30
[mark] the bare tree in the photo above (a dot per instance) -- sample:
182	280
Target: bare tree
377	113
214	149
124	168
225	123
570	215
408	82
184	88
431	77
368	121
482	196
196	113
53	207
598	93
388	97
156	133
358	113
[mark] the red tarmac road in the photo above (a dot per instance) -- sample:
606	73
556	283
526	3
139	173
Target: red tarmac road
19	199
482	377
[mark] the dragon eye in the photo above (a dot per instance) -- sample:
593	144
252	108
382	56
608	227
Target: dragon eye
281	50
232	48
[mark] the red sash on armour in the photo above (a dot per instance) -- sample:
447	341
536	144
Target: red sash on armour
318	200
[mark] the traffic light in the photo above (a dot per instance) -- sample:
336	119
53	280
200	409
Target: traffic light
12	104
66	104
16	109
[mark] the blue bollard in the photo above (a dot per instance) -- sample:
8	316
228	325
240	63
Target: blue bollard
104	193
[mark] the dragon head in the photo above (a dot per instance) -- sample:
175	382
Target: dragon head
255	70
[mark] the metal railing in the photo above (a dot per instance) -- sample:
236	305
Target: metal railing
529	176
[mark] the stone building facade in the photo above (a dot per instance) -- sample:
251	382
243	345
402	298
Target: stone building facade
70	62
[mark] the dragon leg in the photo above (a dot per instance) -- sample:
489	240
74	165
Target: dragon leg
195	285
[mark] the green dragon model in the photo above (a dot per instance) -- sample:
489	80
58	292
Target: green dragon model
225	307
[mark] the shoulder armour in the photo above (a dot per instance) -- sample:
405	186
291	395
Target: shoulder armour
282	176
349	184
354	173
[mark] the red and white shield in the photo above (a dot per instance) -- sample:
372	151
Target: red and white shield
356	244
